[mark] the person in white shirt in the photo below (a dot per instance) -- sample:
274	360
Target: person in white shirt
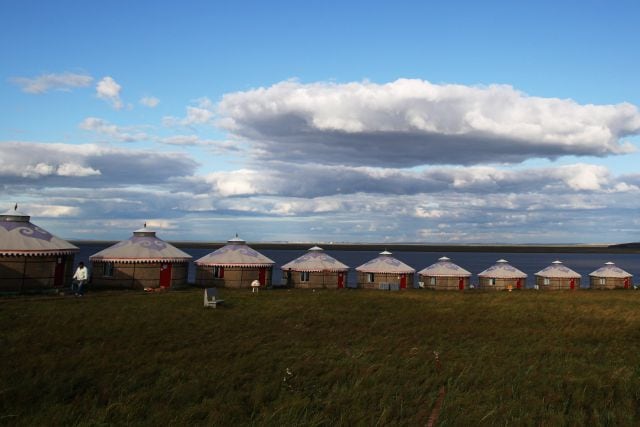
80	277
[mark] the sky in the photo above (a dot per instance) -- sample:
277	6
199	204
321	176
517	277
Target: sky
323	121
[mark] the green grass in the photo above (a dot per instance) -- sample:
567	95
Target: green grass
322	358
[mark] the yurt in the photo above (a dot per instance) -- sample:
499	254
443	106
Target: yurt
31	258
315	269
501	276
234	265
385	271
557	277
444	275
141	262
610	276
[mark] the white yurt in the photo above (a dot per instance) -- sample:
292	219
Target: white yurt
384	272
315	269
234	265
610	276
557	276
140	262
444	275
502	275
31	258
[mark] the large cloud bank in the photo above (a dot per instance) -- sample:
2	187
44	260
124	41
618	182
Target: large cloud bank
413	122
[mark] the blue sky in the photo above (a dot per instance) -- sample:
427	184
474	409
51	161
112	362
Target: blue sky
511	122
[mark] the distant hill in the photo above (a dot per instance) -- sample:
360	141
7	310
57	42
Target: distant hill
633	245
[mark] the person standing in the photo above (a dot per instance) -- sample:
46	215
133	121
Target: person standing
81	276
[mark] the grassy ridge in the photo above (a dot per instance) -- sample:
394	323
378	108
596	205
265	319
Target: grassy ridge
322	358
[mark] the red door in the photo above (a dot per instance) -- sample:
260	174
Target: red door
165	276
572	284
403	281
58	277
626	283
340	280
519	284
262	276
461	283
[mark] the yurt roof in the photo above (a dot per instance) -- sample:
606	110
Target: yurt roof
503	270
611	270
385	263
559	271
18	236
315	260
142	247
444	268
236	253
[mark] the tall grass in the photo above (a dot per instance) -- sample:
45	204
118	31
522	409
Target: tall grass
322	358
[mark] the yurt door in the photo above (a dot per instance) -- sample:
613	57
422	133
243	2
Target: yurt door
58	277
340	280
262	276
572	284
626	283
518	283
165	276
403	281
461	283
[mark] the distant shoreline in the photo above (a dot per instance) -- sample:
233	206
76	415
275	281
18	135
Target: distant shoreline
629	248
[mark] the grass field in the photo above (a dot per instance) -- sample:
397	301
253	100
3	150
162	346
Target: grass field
349	357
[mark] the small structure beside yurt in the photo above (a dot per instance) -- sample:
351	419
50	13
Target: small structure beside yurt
610	276
141	262
315	269
385	272
444	275
501	276
557	276
234	265
31	258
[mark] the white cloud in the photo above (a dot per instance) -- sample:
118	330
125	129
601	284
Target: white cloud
83	165
117	133
52	211
202	113
308	181
47	82
413	122
149	101
109	90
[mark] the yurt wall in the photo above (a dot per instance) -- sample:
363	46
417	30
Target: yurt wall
557	283
318	279
610	282
136	275
499	284
19	273
445	283
380	278
232	277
